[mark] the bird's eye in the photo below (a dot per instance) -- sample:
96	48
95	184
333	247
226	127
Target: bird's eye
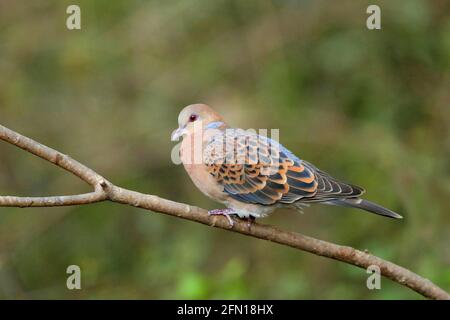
193	117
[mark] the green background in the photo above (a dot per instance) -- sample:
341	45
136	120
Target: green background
370	107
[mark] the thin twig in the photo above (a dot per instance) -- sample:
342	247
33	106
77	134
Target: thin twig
106	191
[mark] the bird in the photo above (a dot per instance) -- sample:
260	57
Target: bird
253	175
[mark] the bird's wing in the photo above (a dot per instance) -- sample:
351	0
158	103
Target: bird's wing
329	188
256	169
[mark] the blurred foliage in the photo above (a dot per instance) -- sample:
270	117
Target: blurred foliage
371	107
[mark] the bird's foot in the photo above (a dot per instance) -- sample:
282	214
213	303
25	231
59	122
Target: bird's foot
223	212
250	221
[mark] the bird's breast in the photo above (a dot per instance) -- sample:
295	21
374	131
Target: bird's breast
205	182
199	174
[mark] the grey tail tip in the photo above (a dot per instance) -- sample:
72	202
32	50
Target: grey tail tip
371	207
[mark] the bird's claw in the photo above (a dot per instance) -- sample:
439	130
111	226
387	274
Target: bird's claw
223	212
250	221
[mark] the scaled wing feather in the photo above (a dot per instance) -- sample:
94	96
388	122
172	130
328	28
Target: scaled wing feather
255	169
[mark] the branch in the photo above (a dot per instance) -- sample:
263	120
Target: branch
106	191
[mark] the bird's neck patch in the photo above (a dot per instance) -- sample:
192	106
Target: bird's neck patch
215	125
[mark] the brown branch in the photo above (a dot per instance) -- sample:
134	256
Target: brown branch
106	191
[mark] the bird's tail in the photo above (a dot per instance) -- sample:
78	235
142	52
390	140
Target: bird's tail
368	206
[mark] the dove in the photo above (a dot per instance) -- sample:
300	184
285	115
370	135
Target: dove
253	175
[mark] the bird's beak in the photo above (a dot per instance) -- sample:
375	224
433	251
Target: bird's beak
178	133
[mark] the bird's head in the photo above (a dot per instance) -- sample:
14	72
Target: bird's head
196	117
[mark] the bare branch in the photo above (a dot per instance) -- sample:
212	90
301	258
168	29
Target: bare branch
105	190
57	158
55	201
